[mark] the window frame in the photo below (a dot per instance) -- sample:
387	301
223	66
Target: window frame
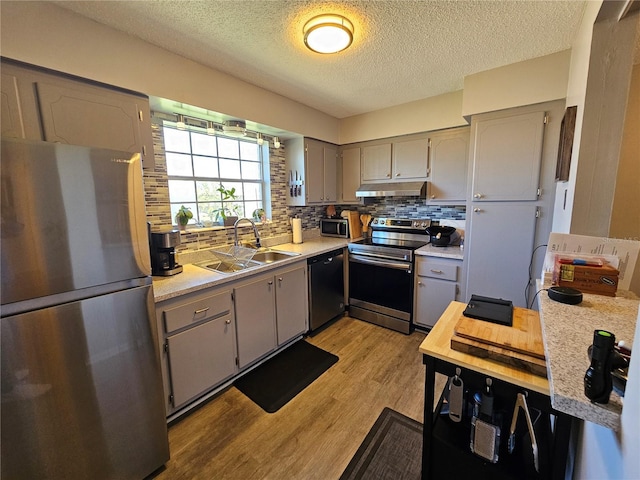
195	205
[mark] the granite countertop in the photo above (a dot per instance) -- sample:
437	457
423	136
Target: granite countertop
429	250
567	332
194	278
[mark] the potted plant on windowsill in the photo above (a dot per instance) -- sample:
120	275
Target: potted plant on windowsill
183	216
227	215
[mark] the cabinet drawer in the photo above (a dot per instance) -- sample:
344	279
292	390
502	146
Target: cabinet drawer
437	269
196	311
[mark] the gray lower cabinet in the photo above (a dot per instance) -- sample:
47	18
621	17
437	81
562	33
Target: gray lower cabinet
271	309
255	319
198	344
437	285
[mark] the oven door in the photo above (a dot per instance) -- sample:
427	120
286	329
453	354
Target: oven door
381	290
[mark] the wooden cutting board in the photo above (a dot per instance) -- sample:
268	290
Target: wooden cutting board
522	361
525	336
355	227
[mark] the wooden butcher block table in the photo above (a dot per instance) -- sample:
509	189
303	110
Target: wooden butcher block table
508	355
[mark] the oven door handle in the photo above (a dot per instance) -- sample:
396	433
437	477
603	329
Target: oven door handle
380	263
371	254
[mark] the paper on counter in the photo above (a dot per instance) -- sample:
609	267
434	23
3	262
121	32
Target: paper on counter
625	250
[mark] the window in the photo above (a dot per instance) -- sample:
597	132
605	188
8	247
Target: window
200	165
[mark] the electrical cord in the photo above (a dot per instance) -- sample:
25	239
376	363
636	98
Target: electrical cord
534	297
526	288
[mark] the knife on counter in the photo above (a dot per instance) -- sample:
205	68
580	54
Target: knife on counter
291	183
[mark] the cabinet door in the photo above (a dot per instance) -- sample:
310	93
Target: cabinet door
314	171
376	162
350	174
330	173
78	114
432	298
409	159
81	115
200	358
291	303
11	122
448	160
499	250
255	320
507	155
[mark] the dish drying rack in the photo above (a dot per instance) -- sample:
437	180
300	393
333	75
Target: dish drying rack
234	256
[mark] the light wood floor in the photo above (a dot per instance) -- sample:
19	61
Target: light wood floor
315	435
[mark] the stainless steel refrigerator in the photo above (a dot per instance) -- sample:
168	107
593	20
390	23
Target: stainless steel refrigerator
81	392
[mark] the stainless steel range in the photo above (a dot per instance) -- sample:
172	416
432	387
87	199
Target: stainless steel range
381	272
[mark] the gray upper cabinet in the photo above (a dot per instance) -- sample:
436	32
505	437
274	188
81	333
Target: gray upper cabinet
507	154
350	174
398	160
313	166
448	160
376	162
409	159
45	106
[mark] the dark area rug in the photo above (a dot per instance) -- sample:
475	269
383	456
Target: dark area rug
392	450
279	379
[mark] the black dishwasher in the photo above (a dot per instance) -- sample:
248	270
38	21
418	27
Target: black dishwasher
326	287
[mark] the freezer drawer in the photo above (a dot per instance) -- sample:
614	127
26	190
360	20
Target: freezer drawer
82	390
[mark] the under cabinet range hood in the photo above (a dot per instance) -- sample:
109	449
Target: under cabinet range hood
401	189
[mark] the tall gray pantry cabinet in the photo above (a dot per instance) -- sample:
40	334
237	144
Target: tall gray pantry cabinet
510	198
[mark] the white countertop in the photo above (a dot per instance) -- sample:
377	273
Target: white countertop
429	250
567	332
194	278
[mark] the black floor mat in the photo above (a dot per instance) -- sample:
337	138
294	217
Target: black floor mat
279	379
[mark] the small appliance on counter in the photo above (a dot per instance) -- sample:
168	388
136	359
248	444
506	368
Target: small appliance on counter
163	253
442	236
334	227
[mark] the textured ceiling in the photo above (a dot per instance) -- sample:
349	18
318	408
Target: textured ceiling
402	50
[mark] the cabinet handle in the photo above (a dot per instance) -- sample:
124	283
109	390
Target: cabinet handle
433	196
280	279
397	174
477	210
478	195
270	282
388	175
420	283
202	310
228	321
433	270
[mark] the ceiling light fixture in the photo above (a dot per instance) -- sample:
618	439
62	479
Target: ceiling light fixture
276	142
330	33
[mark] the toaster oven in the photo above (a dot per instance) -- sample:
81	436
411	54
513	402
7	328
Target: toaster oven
334	227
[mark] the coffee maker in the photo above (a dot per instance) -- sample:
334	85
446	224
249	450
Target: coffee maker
163	254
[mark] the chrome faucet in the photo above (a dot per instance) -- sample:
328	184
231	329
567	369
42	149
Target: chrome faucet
255	231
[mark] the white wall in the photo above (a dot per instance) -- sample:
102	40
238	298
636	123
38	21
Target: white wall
576	90
524	83
44	34
434	113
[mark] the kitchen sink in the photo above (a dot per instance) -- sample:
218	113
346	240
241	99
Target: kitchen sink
229	264
271	256
226	267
